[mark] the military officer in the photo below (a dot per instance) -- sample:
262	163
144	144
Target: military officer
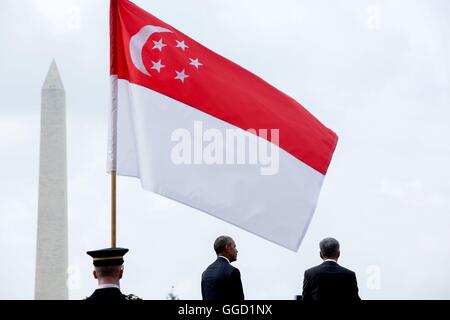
108	271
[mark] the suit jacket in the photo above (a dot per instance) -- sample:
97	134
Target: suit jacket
222	282
111	294
330	282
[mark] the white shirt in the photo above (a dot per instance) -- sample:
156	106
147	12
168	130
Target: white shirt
105	286
330	260
225	258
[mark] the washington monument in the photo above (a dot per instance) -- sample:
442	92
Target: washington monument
52	242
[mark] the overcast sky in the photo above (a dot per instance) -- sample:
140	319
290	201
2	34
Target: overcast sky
376	72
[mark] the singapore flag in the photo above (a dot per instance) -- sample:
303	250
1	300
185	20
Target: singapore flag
201	130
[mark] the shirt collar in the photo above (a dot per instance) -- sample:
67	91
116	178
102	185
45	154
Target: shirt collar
330	260
109	285
224	258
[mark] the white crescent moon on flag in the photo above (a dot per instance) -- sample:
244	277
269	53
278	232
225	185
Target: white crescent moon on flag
138	41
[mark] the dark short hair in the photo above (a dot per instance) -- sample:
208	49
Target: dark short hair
108	271
221	242
329	247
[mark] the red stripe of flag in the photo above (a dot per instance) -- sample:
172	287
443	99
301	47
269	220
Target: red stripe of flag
217	87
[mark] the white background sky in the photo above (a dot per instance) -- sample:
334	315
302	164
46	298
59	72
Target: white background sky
376	72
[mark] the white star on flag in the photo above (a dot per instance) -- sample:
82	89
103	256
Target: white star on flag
195	63
181	75
157	65
159	44
181	44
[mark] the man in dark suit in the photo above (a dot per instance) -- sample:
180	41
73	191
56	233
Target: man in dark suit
329	281
108	271
221	281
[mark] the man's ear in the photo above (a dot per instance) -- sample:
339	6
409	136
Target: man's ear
321	255
339	254
121	274
95	274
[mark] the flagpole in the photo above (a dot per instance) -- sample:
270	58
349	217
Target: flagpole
113	209
113	115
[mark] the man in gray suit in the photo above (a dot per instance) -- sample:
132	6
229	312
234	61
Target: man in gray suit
329	281
221	281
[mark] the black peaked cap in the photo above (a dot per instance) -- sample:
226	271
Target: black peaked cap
108	256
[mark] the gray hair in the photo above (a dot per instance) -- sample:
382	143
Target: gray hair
108	271
221	242
329	247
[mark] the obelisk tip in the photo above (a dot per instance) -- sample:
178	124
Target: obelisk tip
53	80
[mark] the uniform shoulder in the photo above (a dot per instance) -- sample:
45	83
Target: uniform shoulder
131	297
